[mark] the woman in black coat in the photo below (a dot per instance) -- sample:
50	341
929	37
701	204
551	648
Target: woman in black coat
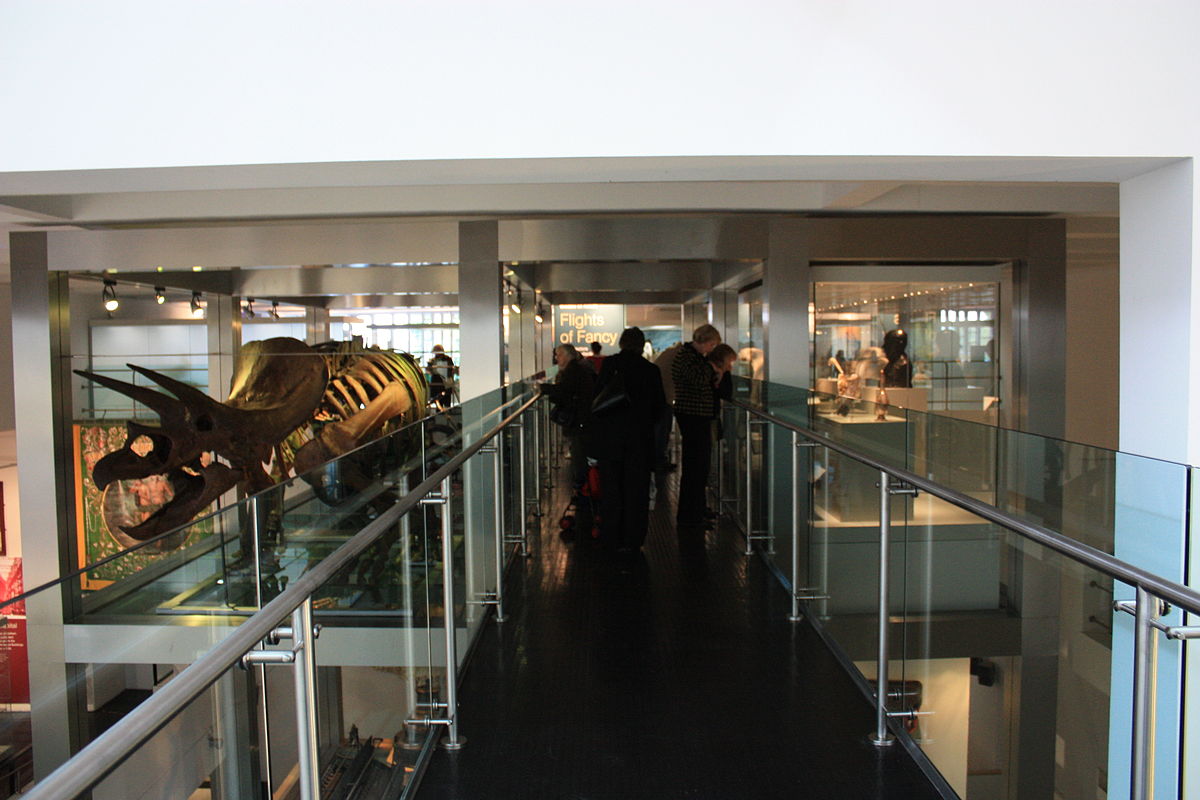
572	392
622	440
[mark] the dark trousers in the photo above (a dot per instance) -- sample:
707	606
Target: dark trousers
696	434
625	496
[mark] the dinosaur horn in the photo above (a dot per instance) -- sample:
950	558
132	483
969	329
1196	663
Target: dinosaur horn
164	405
188	394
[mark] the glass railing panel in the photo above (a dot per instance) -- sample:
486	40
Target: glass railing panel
1075	489
205	570
840	550
1018	664
64	684
212	744
729	481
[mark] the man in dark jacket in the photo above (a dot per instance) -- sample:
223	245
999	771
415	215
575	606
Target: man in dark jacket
694	404
622	440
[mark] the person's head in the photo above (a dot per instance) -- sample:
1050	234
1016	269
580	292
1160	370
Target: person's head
595	348
722	358
631	339
564	354
705	338
437	348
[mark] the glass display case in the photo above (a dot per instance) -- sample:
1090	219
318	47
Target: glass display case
952	347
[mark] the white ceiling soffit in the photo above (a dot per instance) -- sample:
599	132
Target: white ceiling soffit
531	186
687	169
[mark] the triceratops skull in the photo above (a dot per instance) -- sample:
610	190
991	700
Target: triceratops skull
276	386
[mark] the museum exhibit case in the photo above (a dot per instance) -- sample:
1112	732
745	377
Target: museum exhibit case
953	342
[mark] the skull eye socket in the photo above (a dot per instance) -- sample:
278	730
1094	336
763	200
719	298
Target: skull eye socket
204	423
142	445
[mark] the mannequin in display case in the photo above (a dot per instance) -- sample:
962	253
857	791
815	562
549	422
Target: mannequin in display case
899	370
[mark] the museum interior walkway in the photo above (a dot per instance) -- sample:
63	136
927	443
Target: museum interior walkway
670	674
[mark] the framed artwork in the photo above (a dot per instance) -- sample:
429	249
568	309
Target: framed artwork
102	515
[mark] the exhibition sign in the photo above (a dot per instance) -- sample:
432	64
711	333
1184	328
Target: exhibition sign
14	656
580	325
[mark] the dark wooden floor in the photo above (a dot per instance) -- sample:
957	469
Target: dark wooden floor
671	674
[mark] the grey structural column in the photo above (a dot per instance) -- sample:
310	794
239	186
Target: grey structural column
316	325
1041	378
724	315
41	345
480	326
224	317
787	289
481	343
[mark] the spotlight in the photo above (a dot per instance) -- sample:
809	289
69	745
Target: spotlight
515	302
197	309
160	296
248	309
109	296
274	309
539	314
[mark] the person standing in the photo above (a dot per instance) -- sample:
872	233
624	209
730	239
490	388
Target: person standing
694	403
595	359
441	371
571	393
622	441
662	428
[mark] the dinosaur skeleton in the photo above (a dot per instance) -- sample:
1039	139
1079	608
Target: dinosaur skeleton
291	407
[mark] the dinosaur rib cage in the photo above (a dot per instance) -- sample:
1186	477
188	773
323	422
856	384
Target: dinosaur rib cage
357	378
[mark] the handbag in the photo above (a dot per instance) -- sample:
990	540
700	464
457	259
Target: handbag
563	415
612	398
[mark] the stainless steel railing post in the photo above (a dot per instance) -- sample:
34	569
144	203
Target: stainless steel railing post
452	741
306	700
1145	651
749	488
881	737
498	523
252	513
537	455
795	616
522	503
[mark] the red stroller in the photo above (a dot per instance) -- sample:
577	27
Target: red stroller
590	491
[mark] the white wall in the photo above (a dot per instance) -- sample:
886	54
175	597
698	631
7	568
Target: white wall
229	82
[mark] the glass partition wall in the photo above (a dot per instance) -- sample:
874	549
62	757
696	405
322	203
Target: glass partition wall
1009	666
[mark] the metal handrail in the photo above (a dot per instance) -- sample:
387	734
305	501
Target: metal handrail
1163	588
91	764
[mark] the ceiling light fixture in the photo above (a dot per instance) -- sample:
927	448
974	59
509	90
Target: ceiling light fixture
160	295
274	309
248	309
197	308
109	296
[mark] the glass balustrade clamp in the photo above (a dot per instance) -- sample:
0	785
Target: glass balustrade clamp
1176	632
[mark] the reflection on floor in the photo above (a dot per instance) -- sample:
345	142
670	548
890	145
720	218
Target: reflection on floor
669	675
